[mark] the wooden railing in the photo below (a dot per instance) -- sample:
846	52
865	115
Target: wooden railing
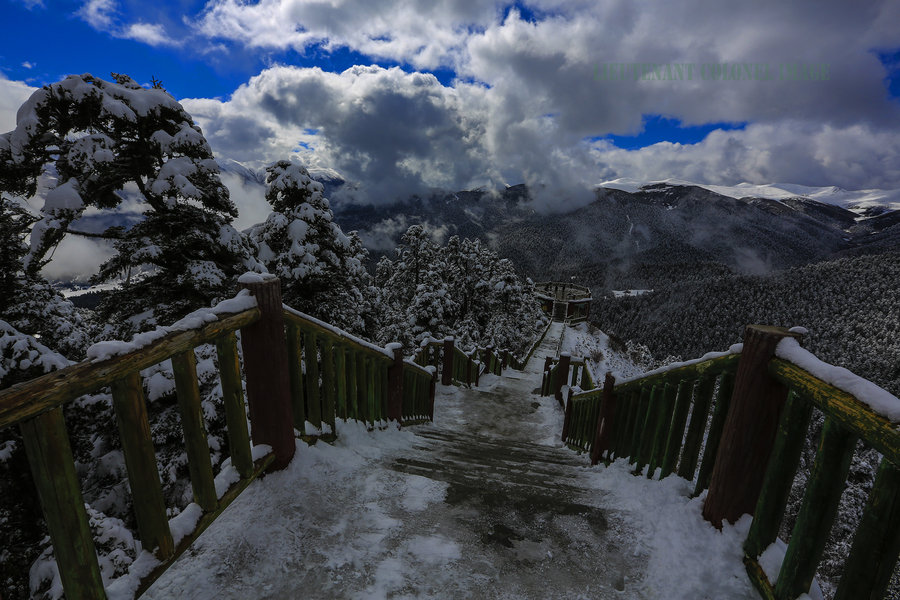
646	419
336	375
457	366
760	412
297	370
565	370
868	568
36	407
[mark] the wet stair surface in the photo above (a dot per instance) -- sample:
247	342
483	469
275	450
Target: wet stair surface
545	530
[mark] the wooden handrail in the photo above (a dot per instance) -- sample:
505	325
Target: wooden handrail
30	398
651	413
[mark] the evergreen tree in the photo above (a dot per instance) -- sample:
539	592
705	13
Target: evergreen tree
322	270
98	138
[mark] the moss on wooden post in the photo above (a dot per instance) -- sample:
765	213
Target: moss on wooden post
140	461
693	439
780	473
676	428
749	429
295	371
876	545
233	400
53	470
329	391
817	512
714	435
266	370
196	442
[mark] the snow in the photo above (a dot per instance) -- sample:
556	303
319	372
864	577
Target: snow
734	349
629	293
856	200
250	277
770	561
106	350
878	399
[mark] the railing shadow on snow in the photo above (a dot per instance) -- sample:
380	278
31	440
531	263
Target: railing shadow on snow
754	404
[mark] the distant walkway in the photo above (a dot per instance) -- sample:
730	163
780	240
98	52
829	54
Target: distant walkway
483	503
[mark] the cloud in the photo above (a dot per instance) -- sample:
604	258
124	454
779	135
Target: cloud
12	95
103	15
77	258
424	34
28	65
150	34
98	13
526	101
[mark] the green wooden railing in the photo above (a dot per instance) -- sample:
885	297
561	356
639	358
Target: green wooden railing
334	374
36	406
457	366
868	568
294	365
557	373
651	419
749	419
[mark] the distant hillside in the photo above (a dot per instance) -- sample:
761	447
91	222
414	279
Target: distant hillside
849	306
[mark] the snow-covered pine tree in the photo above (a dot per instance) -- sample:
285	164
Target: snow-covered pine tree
28	302
97	138
322	270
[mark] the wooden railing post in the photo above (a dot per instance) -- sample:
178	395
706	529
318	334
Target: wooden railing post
562	375
395	387
447	371
749	431
606	421
567	420
266	369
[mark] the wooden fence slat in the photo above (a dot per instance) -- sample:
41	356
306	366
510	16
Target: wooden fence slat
640	415
311	360
233	399
352	386
371	412
720	413
53	470
187	389
817	512
697	427
295	370
782	467
140	462
876	545
648	427
329	393
664	421
362	394
675	435
340	367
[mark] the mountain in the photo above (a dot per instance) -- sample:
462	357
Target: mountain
649	234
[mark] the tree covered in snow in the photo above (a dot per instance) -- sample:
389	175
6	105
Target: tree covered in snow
28	302
461	289
322	270
93	139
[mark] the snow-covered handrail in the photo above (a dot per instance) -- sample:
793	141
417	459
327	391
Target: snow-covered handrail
762	396
36	406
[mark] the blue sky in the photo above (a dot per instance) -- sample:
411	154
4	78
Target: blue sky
463	94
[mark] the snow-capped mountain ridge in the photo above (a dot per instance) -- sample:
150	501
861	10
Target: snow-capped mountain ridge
861	202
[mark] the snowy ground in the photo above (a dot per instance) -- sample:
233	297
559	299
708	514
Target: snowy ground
483	503
584	340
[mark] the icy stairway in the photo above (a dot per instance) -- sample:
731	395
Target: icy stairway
495	464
